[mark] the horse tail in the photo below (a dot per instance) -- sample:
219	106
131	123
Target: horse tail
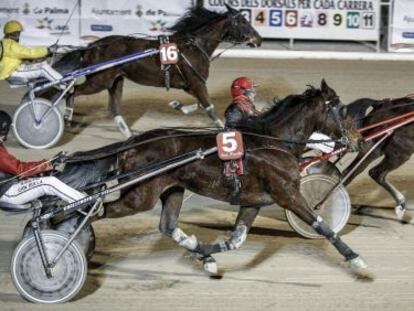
80	174
69	62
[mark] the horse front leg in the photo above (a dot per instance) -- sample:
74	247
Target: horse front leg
297	204
115	99
244	221
285	191
172	200
70	103
199	91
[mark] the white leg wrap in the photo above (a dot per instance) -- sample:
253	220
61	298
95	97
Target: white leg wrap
187	109
184	240
123	127
238	237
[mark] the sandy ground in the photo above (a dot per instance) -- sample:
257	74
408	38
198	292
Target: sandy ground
134	267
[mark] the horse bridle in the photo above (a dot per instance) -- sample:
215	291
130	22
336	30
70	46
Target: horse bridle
234	42
334	106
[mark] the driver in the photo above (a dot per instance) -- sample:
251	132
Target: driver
243	92
19	192
12	55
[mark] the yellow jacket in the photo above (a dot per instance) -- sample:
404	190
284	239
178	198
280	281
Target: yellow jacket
12	54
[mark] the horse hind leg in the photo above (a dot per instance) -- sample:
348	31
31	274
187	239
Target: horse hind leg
172	200
115	98
379	174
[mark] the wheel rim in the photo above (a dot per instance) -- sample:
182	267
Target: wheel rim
324	168
29	276
33	135
85	238
335	211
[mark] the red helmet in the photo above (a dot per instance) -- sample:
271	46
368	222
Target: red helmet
241	85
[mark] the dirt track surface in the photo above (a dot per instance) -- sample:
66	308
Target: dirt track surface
136	268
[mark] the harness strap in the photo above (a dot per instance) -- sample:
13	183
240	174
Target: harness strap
165	68
181	74
203	79
124	148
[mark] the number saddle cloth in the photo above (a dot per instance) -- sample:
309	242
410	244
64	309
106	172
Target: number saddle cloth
231	151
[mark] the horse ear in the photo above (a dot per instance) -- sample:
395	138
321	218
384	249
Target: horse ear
230	9
324	85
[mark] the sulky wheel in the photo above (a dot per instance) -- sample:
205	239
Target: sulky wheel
335	211
38	125
85	238
29	277
322	167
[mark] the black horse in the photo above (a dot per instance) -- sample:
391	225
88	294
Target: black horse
273	177
197	35
396	149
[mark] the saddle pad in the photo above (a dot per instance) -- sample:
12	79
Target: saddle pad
230	145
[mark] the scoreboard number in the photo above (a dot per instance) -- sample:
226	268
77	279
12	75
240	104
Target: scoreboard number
247	14
337	19
291	18
260	17
322	19
368	20
275	18
353	20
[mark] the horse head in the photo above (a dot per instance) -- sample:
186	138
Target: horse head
336	121
239	30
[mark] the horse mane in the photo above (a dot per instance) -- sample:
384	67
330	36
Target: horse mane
280	113
193	20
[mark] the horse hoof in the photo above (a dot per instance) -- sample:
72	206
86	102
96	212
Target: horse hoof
189	108
210	266
400	211
360	269
402	216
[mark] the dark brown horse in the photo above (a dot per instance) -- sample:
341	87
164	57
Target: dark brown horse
273	176
397	149
197	35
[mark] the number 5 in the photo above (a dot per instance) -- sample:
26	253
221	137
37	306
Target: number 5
229	143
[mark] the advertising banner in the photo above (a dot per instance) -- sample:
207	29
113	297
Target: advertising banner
309	19
43	21
101	18
402	26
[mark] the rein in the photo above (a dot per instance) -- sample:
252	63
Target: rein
22	174
295	142
81	158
